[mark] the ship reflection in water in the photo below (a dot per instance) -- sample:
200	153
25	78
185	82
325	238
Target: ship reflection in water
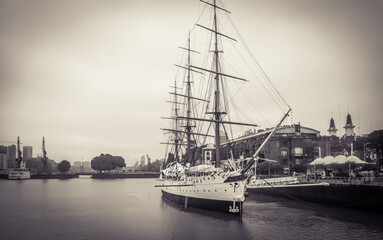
134	209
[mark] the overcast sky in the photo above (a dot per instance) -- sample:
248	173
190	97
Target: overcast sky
93	76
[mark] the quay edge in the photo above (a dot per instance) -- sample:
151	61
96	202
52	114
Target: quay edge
124	175
363	197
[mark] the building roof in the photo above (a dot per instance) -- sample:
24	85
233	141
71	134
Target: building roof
332	125
349	122
286	129
291	129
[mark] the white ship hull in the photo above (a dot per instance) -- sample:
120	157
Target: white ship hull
206	192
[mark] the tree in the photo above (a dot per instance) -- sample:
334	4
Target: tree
107	162
376	139
117	162
64	166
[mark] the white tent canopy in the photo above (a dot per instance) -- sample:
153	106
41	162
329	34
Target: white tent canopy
317	161
355	159
328	160
340	159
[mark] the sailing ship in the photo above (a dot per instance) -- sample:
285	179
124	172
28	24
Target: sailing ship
201	177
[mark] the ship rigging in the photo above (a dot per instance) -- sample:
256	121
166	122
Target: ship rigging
192	177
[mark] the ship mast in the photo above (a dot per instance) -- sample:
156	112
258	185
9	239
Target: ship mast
189	98
216	113
44	158
174	129
176	143
188	111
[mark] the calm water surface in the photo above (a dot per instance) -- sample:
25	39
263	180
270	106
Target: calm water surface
134	209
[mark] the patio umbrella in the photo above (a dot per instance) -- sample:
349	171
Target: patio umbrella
340	159
317	161
355	159
328	160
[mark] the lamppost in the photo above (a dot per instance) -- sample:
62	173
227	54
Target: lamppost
364	150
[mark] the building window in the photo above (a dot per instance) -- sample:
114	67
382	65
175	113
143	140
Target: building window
283	153
284	143
298	151
208	155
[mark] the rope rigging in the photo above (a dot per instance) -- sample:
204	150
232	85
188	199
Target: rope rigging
217	81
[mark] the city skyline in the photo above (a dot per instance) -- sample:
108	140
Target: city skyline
79	73
26	153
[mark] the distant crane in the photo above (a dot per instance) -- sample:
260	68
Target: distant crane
19	155
44	159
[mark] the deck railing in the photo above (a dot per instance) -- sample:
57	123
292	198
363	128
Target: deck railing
373	181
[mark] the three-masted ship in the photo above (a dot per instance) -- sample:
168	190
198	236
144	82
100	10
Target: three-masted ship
201	178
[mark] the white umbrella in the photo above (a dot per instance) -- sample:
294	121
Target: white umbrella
355	160
340	159
328	160
316	161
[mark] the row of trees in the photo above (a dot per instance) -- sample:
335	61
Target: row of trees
107	162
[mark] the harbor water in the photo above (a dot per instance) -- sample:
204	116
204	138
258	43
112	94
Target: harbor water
95	209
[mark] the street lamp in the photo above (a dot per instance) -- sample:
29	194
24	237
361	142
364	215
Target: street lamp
364	150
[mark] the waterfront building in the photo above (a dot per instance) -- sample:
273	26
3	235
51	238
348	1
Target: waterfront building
27	152
332	130
77	164
290	145
11	156
3	158
86	164
35	165
145	160
207	155
3	161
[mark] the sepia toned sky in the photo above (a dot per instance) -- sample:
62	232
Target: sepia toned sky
92	76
